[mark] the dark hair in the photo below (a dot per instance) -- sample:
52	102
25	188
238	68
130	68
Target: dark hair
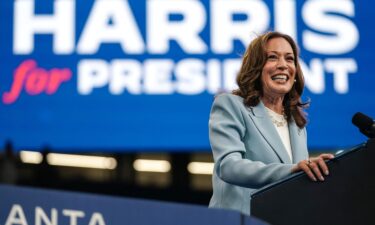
249	78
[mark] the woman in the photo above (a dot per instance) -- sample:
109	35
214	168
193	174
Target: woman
257	133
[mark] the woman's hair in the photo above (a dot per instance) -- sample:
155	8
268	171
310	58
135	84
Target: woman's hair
249	78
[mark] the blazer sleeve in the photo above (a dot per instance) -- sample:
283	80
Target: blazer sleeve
227	130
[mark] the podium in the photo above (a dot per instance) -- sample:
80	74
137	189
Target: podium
347	196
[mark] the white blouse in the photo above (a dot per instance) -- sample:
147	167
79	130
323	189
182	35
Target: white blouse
281	125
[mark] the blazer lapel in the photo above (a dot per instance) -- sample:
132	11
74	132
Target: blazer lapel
296	142
265	126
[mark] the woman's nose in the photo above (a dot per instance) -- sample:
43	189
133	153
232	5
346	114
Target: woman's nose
281	63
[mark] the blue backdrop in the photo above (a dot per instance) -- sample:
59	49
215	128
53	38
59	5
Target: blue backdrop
141	75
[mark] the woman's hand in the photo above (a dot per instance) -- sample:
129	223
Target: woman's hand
314	167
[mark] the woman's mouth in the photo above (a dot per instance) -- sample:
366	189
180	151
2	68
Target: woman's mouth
280	77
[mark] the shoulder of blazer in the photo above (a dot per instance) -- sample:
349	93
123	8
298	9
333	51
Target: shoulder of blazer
229	97
257	111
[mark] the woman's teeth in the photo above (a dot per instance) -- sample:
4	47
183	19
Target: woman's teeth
280	77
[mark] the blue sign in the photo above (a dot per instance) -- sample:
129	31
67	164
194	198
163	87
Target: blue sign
26	206
122	75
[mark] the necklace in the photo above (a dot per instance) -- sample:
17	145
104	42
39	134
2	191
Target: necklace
278	120
278	123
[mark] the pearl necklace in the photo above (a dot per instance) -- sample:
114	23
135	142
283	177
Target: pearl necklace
273	115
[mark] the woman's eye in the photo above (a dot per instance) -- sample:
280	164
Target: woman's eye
272	57
290	59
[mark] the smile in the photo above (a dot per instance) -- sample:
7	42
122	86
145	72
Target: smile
280	77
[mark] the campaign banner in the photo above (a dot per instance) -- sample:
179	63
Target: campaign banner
132	75
29	206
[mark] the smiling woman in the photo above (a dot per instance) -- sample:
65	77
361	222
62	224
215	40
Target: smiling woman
279	71
268	56
257	133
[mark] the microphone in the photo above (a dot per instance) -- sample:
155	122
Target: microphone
365	124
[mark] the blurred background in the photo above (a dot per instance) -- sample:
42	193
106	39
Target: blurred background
113	96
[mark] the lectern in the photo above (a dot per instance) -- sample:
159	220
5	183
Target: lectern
347	196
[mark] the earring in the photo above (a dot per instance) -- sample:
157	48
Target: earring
295	80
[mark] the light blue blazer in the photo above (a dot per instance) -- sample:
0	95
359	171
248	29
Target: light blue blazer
248	151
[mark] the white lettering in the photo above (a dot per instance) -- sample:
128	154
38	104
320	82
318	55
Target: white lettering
92	74
194	76
73	214
190	76
40	217
341	69
224	30
160	30
125	74
213	76
342	34
123	28
314	77
16	216
60	25
96	219
157	76
285	17
231	69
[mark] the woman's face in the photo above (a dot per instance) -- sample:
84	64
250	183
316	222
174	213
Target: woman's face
279	72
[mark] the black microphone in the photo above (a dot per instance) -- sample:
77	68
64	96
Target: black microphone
365	124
